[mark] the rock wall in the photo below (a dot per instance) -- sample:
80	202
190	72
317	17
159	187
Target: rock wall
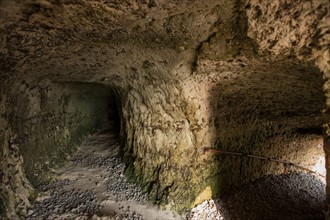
15	188
298	29
160	148
41	122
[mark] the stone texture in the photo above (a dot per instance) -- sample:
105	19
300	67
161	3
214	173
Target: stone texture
239	75
15	188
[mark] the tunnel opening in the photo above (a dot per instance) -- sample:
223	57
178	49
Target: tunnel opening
269	110
68	112
92	141
46	121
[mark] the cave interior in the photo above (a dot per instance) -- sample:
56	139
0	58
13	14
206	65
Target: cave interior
169	79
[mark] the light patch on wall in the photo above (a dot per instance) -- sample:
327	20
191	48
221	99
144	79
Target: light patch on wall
204	195
319	166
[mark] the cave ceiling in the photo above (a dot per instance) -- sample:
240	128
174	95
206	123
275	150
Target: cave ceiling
87	40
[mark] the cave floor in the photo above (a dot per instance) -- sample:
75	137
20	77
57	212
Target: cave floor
93	186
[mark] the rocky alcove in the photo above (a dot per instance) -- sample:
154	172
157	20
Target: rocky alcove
174	82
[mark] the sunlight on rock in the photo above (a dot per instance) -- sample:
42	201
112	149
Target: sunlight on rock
204	195
319	167
206	210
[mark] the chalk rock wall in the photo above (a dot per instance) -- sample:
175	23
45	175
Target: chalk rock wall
161	146
40	124
300	29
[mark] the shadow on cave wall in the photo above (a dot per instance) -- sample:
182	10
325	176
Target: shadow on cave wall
266	109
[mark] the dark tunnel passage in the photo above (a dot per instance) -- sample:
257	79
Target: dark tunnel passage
77	109
114	115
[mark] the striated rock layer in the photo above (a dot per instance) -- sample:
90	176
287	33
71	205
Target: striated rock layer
242	76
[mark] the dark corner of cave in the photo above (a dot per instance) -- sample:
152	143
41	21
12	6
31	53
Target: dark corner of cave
156	109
